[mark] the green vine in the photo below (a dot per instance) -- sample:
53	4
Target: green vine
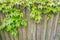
14	17
47	8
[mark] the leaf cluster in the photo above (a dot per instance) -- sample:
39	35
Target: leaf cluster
13	18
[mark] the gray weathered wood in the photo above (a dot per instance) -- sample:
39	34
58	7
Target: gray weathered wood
58	30
43	27
11	36
54	26
49	26
31	33
6	36
38	26
2	35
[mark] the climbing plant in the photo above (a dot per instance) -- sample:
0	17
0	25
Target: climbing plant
44	7
14	17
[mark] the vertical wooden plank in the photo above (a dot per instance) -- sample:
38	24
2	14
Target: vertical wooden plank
43	27
2	32
38	31
49	26
31	33
2	35
58	30
34	31
22	30
54	26
10	36
24	34
6	35
20	36
16	37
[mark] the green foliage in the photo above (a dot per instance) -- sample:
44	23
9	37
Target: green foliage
35	13
59	21
14	17
44	7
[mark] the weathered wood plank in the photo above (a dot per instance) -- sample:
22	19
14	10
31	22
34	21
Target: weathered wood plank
11	36
38	36
58	30
54	26
31	32
43	27
15	37
49	26
20	34
23	28
19	38
6	36
2	35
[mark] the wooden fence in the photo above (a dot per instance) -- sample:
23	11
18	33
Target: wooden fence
44	30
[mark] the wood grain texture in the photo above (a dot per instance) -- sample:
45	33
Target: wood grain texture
6	36
43	27
38	29
54	26
31	31
58	30
49	26
11	36
2	35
